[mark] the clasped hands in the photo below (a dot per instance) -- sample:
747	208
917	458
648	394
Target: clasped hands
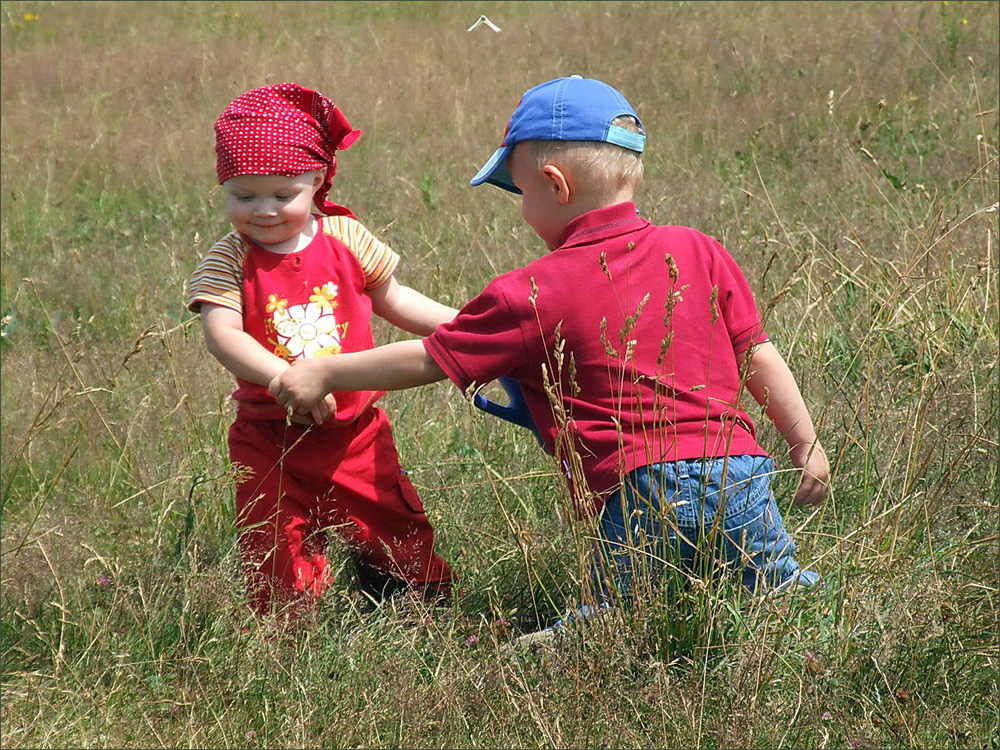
301	390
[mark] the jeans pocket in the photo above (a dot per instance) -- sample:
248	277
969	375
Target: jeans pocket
744	495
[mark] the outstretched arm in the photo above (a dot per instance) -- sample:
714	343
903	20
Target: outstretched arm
402	364
242	355
408	309
772	381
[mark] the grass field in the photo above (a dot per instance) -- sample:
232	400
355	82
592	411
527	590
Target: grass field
845	153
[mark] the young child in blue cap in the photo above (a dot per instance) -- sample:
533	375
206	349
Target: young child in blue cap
635	346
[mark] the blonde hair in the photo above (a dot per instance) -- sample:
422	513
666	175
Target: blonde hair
605	168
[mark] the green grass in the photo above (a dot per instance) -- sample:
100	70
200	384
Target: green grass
845	153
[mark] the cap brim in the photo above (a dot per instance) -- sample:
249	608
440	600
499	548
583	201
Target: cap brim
495	171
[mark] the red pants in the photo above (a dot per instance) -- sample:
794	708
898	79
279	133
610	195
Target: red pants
295	483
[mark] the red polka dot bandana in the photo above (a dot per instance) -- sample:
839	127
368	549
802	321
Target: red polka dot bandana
283	129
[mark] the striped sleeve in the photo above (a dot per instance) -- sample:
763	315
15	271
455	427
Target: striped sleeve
218	280
378	260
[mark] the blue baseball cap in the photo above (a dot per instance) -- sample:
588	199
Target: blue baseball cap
566	109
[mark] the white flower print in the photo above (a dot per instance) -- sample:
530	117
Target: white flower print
309	330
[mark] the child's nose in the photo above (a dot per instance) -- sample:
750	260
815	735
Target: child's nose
265	208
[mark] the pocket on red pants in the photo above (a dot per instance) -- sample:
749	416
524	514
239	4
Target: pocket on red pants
409	492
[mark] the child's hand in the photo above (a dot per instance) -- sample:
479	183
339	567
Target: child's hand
325	409
815	467
300	387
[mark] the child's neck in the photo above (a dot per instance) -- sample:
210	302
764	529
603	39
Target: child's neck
587	203
297	242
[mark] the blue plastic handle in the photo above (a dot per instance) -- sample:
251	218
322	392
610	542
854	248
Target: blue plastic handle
516	411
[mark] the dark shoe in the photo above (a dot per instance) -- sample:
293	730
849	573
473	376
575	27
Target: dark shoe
376	584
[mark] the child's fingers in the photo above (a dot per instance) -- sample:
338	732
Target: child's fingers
324	409
812	490
274	387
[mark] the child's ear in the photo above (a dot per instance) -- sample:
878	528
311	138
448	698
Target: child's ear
318	176
558	182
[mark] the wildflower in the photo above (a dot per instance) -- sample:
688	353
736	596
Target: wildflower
30	18
104	583
471	640
826	716
251	735
813	665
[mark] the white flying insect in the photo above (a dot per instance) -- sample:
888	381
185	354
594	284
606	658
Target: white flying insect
482	20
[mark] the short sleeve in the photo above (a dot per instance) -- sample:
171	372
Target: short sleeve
737	304
218	280
378	260
484	341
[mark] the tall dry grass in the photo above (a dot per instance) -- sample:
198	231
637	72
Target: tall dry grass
844	153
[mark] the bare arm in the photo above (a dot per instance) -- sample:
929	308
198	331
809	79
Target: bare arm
772	382
408	309
236	349
243	356
402	364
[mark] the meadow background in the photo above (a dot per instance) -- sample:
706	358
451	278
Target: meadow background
845	153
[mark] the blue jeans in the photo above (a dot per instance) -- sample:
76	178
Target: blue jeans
687	517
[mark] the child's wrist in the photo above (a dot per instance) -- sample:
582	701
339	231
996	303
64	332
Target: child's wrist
814	443
805	448
327	373
279	367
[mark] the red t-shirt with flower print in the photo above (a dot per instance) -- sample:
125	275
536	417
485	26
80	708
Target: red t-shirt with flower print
311	303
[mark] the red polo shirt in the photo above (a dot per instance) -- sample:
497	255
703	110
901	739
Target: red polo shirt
634	328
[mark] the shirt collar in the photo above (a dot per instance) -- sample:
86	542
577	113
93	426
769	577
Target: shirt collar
603	223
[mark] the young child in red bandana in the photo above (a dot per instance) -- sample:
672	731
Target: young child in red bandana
289	284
